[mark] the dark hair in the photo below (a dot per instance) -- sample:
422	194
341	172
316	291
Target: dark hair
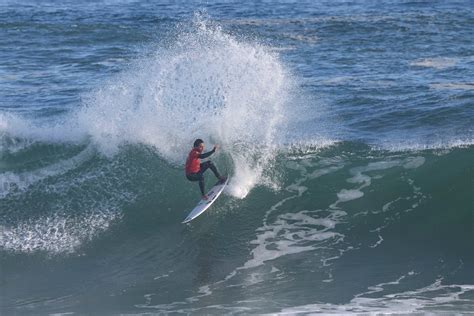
198	142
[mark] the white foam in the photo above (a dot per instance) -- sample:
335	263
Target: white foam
61	224
11	181
161	276
296	232
321	172
453	86
358	176
289	234
22	130
435	297
387	206
349	195
442	143
437	63
414	162
310	39
56	233
338	80
307	145
378	242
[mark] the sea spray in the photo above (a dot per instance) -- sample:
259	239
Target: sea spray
204	84
207	84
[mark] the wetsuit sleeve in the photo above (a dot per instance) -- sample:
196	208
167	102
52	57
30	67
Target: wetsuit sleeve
202	156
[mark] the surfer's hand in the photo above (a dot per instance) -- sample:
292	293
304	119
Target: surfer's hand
216	146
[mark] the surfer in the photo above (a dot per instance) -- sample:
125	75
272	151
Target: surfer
195	169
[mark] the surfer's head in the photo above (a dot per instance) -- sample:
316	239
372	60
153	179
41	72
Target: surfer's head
199	144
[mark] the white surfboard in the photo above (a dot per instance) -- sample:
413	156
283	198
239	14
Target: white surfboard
204	204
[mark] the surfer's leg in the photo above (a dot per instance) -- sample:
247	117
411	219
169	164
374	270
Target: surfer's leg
197	177
209	165
216	173
201	185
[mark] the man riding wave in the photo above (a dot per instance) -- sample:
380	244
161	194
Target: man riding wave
195	169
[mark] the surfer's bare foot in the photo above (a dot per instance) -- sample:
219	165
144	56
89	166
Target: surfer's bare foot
222	179
205	197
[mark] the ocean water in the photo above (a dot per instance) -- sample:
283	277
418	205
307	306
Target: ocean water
346	128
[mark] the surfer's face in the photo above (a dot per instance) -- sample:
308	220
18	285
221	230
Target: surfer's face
201	147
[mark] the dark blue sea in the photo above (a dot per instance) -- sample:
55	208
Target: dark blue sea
346	128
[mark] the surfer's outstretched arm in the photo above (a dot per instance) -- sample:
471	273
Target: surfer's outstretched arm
205	155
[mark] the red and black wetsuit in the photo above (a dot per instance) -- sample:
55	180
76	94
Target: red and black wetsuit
195	169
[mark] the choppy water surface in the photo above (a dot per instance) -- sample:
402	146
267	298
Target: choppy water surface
347	129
